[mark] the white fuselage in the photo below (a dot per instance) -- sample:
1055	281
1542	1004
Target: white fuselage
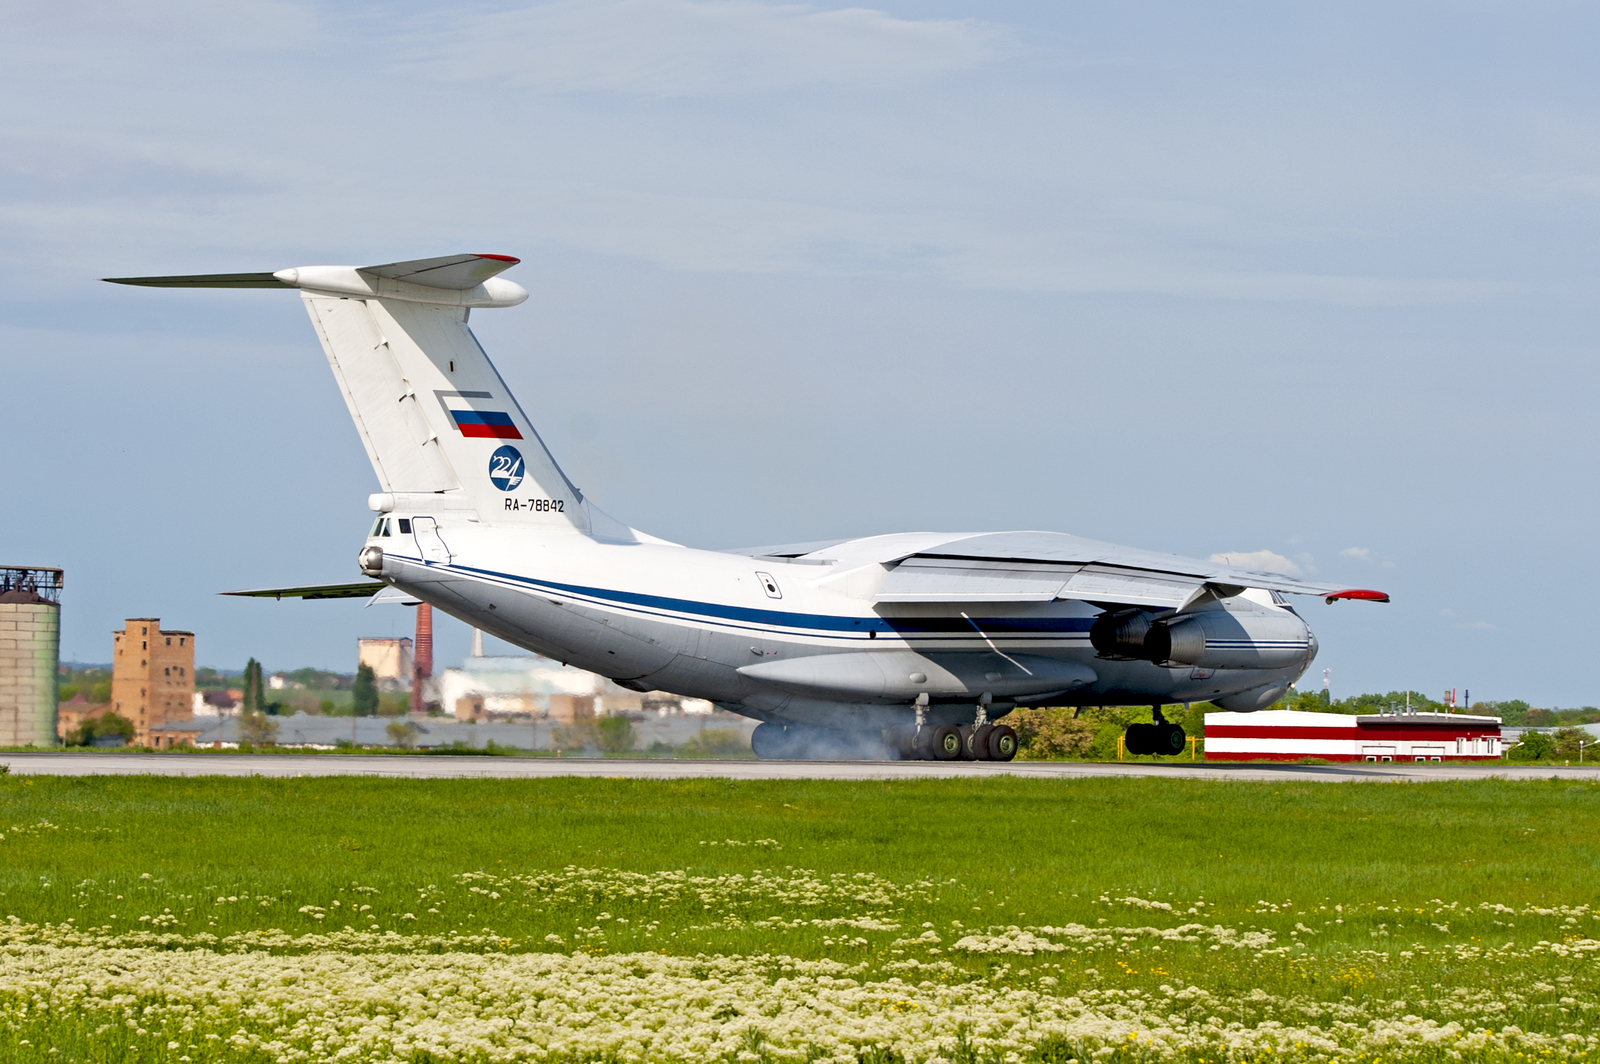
657	615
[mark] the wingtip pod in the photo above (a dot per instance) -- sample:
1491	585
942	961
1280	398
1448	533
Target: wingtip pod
1358	594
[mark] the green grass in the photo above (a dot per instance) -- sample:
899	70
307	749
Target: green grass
1386	882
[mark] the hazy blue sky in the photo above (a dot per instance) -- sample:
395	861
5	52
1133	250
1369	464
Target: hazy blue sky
1318	280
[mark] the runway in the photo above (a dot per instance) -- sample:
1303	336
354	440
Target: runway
397	766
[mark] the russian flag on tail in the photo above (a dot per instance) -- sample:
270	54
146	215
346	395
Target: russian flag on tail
485	424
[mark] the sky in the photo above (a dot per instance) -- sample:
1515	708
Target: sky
1314	284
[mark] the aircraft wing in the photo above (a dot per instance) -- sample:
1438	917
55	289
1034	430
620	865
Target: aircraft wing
363	589
1046	566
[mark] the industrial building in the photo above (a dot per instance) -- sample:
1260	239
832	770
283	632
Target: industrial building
152	679
389	659
1288	735
30	654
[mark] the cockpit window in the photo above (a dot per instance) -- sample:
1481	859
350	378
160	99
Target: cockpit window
377	528
386	528
405	526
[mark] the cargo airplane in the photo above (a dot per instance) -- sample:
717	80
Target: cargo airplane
912	645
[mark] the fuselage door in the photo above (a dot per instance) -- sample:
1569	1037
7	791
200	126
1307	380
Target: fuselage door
429	542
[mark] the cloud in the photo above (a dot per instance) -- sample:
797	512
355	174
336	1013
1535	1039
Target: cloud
1470	626
667	48
1265	561
1360	554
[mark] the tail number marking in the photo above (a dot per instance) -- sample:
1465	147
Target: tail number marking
539	506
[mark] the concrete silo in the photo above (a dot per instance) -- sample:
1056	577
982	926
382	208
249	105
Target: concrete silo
30	654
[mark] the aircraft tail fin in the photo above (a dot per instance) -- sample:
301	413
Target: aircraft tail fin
442	430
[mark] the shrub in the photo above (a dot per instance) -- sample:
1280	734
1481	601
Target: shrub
104	727
1535	746
578	735
615	734
257	729
715	742
1051	734
402	733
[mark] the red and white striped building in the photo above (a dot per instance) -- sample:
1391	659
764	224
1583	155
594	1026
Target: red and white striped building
1288	735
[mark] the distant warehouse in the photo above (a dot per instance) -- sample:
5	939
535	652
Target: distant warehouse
1288	735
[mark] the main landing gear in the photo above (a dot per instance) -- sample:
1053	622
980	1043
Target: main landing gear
1162	738
978	741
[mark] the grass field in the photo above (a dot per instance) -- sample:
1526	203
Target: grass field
1005	919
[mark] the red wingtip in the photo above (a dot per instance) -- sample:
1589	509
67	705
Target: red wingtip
500	258
1358	593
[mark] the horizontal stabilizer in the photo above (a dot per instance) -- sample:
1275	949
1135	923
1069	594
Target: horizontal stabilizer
363	589
205	280
456	272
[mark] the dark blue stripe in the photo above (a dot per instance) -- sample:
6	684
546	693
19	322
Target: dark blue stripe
817	622
481	417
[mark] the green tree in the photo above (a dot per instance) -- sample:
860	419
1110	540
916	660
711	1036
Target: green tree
1513	713
364	692
1535	746
254	697
1052	734
106	725
403	734
615	734
1565	743
257	729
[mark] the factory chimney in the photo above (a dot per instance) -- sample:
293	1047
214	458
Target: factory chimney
421	657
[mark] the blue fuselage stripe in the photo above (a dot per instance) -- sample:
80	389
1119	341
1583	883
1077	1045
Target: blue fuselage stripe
813	622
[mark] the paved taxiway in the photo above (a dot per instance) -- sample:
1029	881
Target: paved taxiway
466	767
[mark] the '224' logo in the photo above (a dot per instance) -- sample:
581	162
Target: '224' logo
505	468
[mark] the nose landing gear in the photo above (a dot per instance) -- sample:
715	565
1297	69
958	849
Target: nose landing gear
1162	738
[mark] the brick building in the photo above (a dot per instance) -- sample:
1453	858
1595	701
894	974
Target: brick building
152	678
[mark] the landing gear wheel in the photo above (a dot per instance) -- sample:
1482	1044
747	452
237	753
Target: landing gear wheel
1002	743
1170	739
946	742
976	747
1140	739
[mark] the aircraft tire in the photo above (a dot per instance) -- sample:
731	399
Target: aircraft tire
976	747
770	742
946	742
1138	740
1002	741
902	743
1170	739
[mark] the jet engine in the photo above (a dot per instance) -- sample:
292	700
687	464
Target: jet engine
1211	639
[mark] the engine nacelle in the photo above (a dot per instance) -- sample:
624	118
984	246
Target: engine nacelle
1210	639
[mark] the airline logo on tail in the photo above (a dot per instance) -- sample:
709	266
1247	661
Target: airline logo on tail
478	424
